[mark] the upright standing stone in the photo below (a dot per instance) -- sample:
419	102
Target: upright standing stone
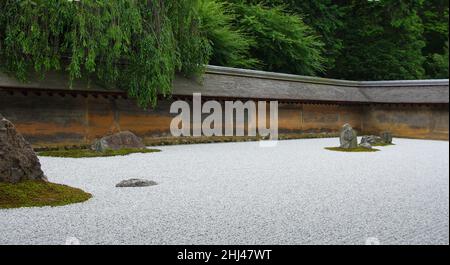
387	137
117	141
18	162
348	137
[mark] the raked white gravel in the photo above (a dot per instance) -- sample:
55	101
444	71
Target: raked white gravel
240	193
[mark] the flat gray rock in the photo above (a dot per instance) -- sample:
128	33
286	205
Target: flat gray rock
130	183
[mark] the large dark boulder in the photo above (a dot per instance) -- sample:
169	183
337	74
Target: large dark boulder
348	137
18	162
117	141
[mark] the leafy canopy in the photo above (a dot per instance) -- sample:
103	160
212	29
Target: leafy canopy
282	41
382	40
230	46
133	44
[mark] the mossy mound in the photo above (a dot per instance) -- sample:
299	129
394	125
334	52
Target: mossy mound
80	153
357	149
34	193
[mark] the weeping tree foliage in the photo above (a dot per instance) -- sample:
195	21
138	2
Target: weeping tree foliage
137	45
230	46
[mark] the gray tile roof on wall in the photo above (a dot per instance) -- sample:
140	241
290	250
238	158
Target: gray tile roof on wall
224	82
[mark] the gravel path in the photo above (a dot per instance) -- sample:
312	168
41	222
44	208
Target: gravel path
240	193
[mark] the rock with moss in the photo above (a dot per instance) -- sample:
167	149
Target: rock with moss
18	161
365	145
348	137
387	137
372	140
118	141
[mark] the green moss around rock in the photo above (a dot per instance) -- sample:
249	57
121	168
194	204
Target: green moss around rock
356	150
231	139
39	194
80	153
382	144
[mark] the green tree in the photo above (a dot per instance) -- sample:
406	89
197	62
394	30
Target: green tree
325	18
230	46
434	14
282	41
382	40
437	64
137	45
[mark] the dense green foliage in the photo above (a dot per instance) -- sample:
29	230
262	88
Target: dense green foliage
325	18
382	40
282	42
230	46
434	14
260	36
139	45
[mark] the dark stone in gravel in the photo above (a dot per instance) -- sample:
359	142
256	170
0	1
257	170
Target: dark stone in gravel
136	183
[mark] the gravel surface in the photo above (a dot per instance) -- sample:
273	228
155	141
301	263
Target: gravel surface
240	193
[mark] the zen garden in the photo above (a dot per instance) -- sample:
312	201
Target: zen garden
222	122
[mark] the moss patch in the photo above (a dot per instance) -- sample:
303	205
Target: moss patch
358	149
79	153
39	194
228	139
382	144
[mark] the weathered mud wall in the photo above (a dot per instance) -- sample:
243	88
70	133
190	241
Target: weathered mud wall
49	114
412	121
64	121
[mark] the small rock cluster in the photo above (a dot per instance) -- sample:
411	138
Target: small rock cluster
348	138
118	141
18	162
371	140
